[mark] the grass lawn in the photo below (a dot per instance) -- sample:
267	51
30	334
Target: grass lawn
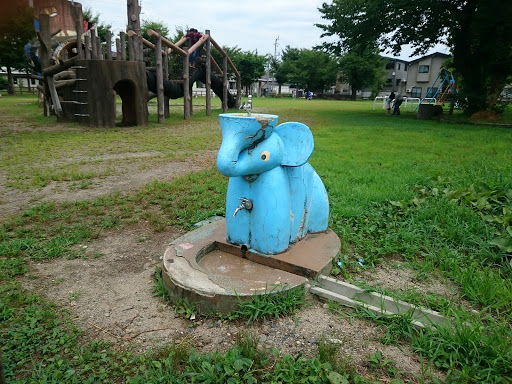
435	196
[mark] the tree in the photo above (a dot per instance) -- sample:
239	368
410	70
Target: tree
16	30
477	32
250	65
280	72
101	29
310	69
155	26
361	68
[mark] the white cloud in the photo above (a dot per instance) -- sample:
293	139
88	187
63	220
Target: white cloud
250	25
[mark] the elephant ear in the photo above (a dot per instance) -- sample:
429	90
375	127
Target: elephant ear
297	143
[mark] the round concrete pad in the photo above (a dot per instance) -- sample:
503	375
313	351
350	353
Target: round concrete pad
245	277
214	275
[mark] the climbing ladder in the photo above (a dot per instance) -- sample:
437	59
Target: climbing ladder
81	110
444	89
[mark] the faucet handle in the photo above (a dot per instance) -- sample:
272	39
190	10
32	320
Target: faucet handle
244	204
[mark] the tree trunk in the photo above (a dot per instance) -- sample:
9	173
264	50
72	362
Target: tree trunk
354	93
2	376
10	81
28	81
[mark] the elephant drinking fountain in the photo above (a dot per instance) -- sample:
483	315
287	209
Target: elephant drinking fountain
274	197
276	225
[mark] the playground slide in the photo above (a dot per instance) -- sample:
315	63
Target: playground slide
174	90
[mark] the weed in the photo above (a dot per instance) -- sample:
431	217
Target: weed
186	308
278	301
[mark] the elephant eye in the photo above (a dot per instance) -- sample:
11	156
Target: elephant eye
265	155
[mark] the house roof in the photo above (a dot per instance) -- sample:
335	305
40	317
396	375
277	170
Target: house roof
438	54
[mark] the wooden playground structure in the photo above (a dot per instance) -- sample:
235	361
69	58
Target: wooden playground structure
81	85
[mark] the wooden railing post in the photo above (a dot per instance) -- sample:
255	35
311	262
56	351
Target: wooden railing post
159	79
208	75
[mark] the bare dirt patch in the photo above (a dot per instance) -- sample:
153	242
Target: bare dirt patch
109	293
129	178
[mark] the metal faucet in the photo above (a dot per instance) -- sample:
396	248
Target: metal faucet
244	107
244	204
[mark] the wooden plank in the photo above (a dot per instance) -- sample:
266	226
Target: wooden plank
54	69
198	44
224	54
170	44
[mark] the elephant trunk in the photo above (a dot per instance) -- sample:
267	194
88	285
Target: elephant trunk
239	132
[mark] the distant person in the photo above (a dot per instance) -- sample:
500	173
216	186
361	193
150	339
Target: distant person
398	101
388	102
193	37
294	94
310	95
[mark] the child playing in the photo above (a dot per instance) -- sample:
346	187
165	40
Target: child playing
388	101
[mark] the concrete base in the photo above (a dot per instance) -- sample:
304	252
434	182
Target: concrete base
214	274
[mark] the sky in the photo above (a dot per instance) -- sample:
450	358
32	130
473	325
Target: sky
265	26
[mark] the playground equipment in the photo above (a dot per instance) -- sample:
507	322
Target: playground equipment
81	79
440	92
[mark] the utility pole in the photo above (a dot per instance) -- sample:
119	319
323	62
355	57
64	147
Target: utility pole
275	58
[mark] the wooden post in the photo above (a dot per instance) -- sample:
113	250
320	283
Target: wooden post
133	13
225	83
122	35
118	49
208	75
44	39
238	91
159	79
166	77
76	10
189	52
186	89
87	39
131	49
100	48
94	45
108	37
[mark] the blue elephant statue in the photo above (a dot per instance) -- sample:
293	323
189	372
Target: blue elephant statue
274	196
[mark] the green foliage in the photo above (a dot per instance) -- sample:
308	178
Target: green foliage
313	70
473	351
483	65
494	207
250	65
101	28
361	68
154	25
278	301
16	30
